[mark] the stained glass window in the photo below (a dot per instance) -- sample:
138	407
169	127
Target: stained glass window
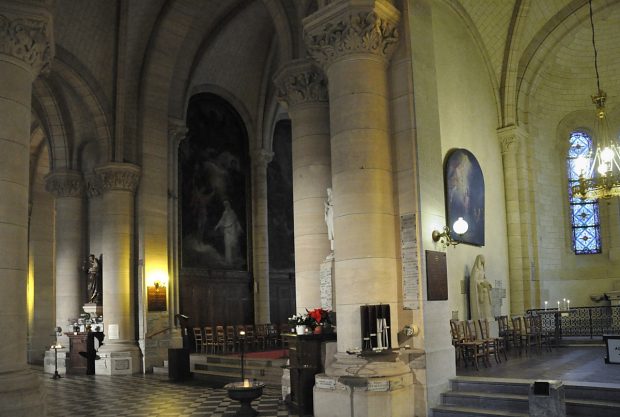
584	213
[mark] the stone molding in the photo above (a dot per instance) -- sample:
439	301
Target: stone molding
510	138
64	183
118	177
27	38
261	157
301	81
343	28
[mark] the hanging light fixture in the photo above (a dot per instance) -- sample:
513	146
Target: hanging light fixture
599	175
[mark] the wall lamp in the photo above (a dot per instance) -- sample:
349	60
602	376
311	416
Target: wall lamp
459	227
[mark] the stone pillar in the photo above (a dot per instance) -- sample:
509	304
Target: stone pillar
260	229
177	132
512	138
119	354
353	40
66	186
25	49
303	89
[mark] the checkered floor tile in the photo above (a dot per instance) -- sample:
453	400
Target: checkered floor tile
146	395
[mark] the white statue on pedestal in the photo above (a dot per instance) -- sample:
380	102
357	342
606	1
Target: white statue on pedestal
480	292
329	217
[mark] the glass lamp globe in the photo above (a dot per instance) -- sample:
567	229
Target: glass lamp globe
460	226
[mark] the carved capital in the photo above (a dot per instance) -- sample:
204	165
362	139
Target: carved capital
352	27
92	185
64	183
301	81
27	37
118	177
177	131
510	137
261	157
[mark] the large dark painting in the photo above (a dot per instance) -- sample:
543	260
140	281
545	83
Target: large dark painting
214	172
465	195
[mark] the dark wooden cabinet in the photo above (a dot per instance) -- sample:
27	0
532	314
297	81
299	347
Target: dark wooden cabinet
306	360
76	363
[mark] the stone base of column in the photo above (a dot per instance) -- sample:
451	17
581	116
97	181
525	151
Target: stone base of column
21	394
48	363
362	387
118	359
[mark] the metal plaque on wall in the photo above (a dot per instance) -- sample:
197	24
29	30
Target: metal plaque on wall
156	298
436	276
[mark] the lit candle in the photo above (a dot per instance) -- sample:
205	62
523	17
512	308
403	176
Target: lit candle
546	302
564	303
246	383
568	304
558	305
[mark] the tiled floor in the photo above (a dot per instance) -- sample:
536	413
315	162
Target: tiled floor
103	396
576	364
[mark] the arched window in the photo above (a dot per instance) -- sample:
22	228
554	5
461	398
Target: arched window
584	214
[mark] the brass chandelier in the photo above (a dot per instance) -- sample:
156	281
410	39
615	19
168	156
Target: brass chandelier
599	175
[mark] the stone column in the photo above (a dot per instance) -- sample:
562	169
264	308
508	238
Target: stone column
260	159
25	49
511	139
177	132
353	40
303	89
119	354
66	186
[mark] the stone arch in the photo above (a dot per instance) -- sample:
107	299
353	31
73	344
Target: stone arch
49	95
557	29
477	39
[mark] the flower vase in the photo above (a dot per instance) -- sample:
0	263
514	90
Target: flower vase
318	329
300	329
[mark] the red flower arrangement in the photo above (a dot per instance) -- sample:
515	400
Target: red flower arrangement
320	316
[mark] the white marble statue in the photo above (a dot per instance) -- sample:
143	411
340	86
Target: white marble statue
329	217
480	292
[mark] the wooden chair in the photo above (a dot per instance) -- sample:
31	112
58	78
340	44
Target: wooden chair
472	348
209	339
198	340
232	342
284	328
457	341
497	345
260	336
250	339
273	335
519	335
241	339
505	330
220	339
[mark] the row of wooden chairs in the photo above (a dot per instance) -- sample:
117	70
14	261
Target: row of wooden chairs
525	333
228	339
473	342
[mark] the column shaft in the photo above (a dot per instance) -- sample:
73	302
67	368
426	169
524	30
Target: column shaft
303	89
24	50
260	159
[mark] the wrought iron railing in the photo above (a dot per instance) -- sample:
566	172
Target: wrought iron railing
581	321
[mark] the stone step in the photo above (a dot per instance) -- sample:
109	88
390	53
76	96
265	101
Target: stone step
492	385
487	401
221	378
459	411
160	370
249	369
594	392
589	408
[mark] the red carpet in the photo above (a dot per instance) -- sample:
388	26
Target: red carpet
268	354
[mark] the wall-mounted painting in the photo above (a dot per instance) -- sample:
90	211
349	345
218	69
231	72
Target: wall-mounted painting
213	174
465	195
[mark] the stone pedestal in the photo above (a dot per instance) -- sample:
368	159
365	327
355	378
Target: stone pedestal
546	399
118	363
93	309
364	387
48	363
